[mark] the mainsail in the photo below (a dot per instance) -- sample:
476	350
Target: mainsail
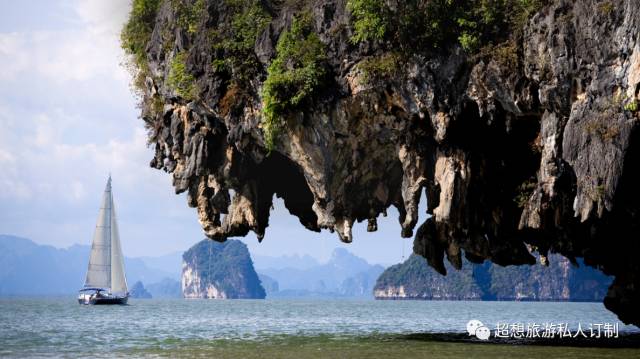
106	263
118	278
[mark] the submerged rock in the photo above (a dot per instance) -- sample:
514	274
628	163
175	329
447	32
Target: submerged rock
215	270
530	146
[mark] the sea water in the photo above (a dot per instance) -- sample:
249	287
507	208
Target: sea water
59	327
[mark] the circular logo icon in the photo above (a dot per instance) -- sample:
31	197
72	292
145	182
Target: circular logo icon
483	333
477	329
473	325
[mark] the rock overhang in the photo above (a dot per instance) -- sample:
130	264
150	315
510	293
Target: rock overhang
528	149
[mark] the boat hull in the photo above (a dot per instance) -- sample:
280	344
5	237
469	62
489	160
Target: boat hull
103	300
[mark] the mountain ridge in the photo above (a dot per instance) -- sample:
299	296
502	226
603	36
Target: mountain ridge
29	268
342	275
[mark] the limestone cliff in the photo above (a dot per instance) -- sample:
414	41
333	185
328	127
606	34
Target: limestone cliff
560	281
520	123
214	270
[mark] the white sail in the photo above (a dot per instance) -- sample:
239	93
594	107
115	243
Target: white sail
99	271
106	262
118	277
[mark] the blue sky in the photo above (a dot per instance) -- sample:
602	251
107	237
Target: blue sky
68	118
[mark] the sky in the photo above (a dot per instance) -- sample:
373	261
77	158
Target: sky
68	118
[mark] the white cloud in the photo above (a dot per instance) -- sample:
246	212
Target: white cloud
60	128
60	56
12	59
12	189
74	54
67	119
103	16
6	157
50	167
44	133
78	191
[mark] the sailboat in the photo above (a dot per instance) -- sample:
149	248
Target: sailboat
106	282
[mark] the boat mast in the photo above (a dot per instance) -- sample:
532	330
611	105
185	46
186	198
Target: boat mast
108	228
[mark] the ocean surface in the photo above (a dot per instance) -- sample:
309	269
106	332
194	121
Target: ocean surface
59	327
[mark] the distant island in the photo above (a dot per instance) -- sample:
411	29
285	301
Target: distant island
138	291
560	281
29	269
226	270
215	270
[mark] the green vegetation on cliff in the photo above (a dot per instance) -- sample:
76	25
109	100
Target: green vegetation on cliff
379	67
409	25
189	13
294	75
372	19
234	41
180	80
413	23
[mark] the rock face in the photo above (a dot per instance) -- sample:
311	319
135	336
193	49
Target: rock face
138	291
560	281
215	270
532	147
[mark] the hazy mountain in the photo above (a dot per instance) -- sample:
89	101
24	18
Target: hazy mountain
269	284
28	268
343	275
136	269
166	288
291	261
362	283
169	263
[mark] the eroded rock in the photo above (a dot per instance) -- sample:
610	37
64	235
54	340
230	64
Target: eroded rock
533	153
